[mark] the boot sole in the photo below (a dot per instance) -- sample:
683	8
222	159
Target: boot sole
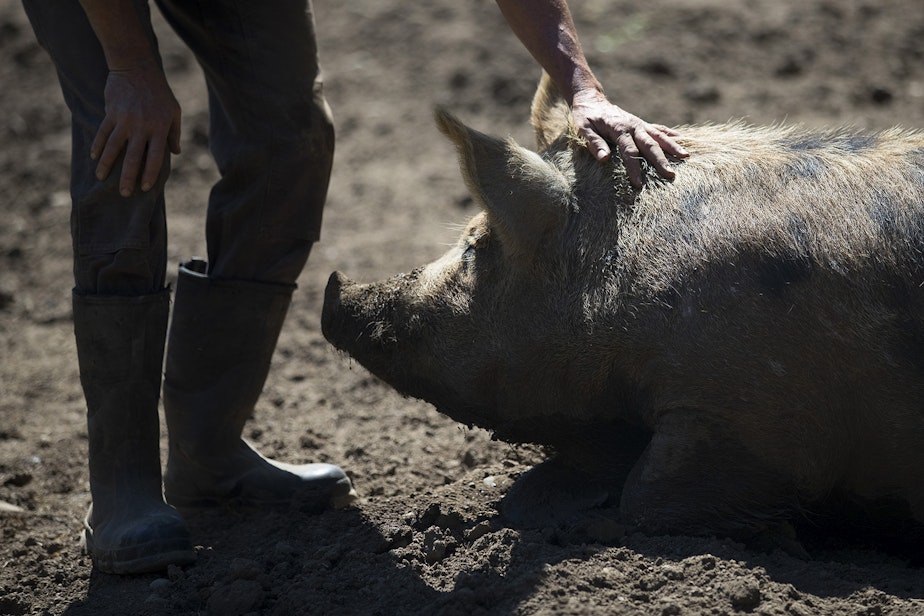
147	557
344	500
340	496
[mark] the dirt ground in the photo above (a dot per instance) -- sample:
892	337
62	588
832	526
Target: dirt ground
424	538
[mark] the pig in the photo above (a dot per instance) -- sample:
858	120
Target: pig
720	354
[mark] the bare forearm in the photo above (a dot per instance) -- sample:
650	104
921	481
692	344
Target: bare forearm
546	29
118	27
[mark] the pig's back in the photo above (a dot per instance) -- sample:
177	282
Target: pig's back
834	202
779	283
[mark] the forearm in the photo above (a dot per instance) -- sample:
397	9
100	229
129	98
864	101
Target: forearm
546	29
118	27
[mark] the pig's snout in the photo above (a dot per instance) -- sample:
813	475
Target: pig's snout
335	285
357	318
332	306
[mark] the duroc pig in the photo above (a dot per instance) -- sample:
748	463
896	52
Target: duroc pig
717	354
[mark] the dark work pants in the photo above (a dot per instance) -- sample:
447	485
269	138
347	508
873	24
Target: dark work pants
270	133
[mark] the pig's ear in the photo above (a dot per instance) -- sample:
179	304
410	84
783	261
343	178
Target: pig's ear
524	195
550	115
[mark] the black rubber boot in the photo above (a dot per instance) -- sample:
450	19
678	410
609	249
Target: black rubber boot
221	341
120	349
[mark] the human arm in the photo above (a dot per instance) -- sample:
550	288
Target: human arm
142	115
546	29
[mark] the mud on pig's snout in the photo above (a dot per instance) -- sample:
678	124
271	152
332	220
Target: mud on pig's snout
332	321
359	318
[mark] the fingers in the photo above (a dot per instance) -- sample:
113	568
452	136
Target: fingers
667	130
663	136
155	156
599	121
134	149
652	142
141	124
651	150
629	153
631	149
106	149
131	167
598	146
142	157
99	142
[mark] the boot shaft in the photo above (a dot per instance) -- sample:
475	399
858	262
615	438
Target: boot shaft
120	349
222	337
120	340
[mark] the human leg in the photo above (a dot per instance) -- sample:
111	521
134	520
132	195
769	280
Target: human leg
271	133
120	313
272	138
120	244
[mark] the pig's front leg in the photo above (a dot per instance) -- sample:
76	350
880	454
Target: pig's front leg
552	492
695	478
587	473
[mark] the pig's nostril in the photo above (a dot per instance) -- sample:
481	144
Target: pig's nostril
331	305
332	294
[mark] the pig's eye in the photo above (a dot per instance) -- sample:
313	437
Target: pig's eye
468	255
473	243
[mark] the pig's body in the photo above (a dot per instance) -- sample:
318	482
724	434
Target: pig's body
737	345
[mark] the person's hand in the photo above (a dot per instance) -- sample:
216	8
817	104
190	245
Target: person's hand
600	123
142	120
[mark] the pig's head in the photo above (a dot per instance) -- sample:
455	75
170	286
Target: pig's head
497	331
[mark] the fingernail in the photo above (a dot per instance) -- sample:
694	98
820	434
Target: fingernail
125	192
146	186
